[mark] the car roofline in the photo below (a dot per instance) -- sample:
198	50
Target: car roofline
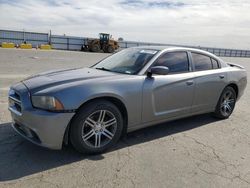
165	49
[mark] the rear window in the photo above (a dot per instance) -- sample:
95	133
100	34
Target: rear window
215	63
201	62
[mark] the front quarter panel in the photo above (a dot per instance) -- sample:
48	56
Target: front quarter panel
127	88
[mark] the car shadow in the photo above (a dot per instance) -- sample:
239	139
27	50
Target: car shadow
20	158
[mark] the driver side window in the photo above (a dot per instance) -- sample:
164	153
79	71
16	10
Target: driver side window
177	62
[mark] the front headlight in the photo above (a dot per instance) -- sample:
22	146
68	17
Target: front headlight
47	103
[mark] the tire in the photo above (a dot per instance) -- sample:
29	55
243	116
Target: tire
95	48
101	119
110	49
226	103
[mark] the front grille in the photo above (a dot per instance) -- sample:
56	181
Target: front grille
17	96
15	104
18	107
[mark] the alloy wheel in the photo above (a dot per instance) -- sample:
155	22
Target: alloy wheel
99	128
227	103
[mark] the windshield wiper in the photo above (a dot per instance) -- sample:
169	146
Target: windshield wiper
102	68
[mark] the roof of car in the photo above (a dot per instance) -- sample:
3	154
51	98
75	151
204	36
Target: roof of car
176	48
154	47
166	47
180	48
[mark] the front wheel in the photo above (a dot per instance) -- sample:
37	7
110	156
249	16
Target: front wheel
226	103
96	127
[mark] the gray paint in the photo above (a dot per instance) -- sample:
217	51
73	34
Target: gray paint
148	100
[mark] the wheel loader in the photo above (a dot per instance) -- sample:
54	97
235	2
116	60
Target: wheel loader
104	43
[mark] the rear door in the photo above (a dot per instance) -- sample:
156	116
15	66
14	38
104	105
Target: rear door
167	96
210	80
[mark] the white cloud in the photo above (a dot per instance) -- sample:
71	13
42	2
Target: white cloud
218	23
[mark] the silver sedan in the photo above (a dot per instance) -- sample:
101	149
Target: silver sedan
134	88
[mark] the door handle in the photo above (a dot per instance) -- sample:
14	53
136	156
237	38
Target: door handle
222	76
190	82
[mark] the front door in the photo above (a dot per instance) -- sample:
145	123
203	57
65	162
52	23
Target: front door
167	96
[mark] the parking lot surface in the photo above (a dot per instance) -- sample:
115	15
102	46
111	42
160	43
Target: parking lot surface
199	151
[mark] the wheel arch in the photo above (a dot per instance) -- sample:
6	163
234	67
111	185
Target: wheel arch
235	87
117	102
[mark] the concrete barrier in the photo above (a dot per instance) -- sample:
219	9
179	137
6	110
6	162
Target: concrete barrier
8	45
45	47
25	46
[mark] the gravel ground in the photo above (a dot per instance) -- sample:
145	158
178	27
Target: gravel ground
193	152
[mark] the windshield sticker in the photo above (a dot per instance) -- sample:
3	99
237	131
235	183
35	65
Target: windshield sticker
148	51
128	72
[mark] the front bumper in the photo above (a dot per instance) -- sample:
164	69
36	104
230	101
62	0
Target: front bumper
38	126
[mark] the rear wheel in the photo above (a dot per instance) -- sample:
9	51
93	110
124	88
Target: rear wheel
96	127
110	49
226	103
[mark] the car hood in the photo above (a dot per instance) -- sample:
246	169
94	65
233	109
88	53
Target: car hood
59	77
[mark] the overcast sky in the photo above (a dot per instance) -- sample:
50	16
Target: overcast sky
218	23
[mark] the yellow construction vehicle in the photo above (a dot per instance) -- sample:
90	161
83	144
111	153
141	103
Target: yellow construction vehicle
104	43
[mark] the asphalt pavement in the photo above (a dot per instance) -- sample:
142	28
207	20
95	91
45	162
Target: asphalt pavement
199	151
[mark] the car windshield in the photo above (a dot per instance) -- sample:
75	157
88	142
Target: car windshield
128	61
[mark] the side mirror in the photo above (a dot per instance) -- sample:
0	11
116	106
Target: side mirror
160	70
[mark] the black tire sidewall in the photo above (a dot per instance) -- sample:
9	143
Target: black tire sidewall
95	48
82	114
110	49
218	112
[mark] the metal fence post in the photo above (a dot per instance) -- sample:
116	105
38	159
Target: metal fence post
67	43
23	36
49	37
